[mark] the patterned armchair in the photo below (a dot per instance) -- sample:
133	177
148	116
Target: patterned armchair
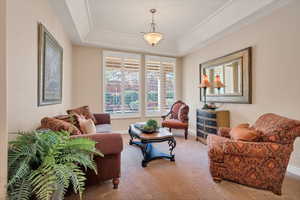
177	118
258	164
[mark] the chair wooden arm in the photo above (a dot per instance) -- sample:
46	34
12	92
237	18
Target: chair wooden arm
165	116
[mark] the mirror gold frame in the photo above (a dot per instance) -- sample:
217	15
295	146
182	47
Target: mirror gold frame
244	95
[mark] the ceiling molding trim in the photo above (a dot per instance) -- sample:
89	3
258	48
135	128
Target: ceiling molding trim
225	23
207	20
137	47
89	14
80	16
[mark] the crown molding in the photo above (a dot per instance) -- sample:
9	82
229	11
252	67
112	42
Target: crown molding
89	14
231	17
125	41
80	13
223	23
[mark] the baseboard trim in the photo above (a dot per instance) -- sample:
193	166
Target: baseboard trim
294	170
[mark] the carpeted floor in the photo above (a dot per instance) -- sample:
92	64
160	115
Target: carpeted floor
186	179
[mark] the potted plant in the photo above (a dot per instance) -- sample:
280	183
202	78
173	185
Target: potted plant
43	165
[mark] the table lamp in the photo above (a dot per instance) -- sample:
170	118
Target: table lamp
205	84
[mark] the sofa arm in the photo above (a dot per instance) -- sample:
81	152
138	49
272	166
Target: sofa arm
257	149
102	118
107	143
224	132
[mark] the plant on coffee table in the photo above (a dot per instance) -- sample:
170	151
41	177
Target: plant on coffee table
42	165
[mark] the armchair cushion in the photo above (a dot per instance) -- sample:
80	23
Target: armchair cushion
224	132
85	111
175	110
244	133
107	143
277	129
183	113
174	123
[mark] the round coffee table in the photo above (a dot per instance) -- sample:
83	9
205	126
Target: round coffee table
144	142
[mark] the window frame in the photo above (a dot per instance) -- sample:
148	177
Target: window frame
122	55
162	83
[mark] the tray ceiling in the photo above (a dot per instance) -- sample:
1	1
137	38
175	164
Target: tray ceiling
186	24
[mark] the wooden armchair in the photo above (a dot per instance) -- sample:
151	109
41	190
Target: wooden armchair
177	118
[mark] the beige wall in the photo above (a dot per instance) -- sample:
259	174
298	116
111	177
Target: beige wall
87	62
23	16
3	96
276	83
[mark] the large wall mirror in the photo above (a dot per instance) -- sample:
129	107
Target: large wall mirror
234	71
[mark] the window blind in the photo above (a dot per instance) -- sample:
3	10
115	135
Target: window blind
160	84
121	83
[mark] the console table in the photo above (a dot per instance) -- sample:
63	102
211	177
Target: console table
208	122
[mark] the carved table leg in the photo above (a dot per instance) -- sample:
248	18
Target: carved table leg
172	145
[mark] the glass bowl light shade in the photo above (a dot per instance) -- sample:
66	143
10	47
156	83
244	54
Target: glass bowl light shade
153	38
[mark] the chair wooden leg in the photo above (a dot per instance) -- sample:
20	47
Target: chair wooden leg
186	133
116	182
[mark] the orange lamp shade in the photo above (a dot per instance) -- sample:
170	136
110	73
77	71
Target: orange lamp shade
205	83
218	82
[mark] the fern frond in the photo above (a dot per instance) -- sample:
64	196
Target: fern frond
22	171
21	191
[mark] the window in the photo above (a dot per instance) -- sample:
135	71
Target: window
160	84
121	83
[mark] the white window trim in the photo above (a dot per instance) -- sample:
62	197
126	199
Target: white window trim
122	55
160	59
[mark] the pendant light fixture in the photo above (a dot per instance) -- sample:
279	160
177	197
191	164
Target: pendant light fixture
152	37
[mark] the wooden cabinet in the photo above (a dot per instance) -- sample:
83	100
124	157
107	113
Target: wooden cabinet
208	122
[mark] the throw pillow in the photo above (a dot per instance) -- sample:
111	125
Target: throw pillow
87	125
246	125
85	111
59	125
244	133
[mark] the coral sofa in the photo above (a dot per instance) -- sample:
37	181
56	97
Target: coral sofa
259	164
110	144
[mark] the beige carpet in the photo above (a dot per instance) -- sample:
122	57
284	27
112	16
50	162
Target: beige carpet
186	179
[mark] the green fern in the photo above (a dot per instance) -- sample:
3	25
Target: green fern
45	164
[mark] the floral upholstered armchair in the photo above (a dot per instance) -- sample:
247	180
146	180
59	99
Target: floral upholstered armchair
177	118
258	164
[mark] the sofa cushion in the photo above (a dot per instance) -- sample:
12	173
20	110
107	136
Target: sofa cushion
59	125
85	111
87	126
277	129
103	128
174	123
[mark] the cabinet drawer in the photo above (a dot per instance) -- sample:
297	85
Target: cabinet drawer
211	123
211	130
207	114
